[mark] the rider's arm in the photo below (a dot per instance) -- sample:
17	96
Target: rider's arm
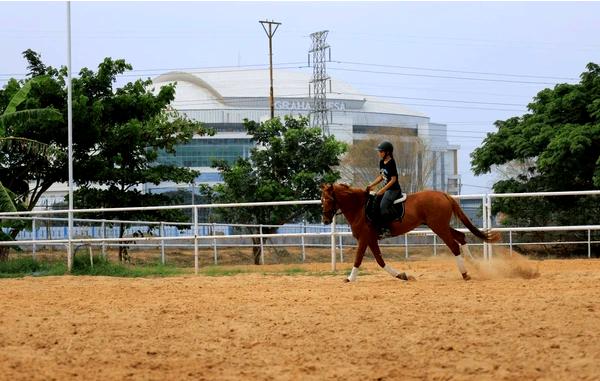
387	186
377	180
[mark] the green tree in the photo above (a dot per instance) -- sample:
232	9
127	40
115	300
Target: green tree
561	132
117	134
289	162
30	123
19	154
9	203
559	141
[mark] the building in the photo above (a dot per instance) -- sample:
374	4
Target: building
222	99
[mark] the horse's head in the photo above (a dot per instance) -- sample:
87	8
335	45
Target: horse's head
328	203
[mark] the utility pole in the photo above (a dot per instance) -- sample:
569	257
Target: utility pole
270	33
320	117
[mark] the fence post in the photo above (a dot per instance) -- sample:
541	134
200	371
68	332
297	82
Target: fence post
406	246
214	233
589	243
161	231
49	231
195	240
435	245
510	242
484	220
34	231
341	249
333	245
489	216
215	254
103	235
262	248
303	247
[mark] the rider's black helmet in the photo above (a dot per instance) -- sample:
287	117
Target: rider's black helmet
385	146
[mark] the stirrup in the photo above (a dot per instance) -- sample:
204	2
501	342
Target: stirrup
384	233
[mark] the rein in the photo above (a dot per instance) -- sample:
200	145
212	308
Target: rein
335	211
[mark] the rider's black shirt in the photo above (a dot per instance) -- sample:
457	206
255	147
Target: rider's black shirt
387	171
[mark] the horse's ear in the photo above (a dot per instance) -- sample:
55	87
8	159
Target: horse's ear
326	186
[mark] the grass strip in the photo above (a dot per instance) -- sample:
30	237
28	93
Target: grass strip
27	266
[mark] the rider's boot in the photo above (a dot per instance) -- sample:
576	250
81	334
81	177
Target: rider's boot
384	231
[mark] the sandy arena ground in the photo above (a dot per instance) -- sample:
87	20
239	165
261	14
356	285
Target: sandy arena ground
505	324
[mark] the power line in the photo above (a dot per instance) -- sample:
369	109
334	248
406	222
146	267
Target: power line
454	71
432	99
200	70
471	122
444	76
221	67
388	84
287	64
474	186
253	68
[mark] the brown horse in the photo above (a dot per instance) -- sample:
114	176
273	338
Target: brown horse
432	208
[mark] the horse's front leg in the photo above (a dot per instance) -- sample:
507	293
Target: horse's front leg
358	257
374	246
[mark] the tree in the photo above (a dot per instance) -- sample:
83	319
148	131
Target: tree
28	126
415	164
128	127
289	163
561	133
117	134
17	154
9	203
557	146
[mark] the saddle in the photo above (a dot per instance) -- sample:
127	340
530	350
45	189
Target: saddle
374	214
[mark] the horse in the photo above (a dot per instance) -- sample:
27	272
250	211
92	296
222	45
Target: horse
428	207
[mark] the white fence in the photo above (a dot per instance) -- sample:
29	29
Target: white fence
203	235
487	209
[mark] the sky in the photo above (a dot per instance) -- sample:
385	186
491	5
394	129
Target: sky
464	64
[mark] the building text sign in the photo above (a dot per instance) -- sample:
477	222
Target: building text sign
306	105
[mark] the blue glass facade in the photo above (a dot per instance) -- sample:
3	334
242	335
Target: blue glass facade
203	152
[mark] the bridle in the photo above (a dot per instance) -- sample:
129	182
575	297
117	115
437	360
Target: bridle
334	209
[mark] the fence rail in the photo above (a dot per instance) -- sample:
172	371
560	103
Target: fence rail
201	232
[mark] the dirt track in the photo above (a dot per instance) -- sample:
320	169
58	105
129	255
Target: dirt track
499	326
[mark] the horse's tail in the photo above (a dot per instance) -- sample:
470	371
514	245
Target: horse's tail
487	236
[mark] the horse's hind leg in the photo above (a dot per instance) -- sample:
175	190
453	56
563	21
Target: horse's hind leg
460	238
452	238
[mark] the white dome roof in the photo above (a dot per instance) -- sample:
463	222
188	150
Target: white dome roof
210	87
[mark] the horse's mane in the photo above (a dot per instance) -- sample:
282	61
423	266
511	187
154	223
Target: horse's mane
345	189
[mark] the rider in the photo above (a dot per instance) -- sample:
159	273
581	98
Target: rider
388	173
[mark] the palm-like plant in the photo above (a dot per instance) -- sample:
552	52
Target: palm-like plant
7	204
12	116
9	201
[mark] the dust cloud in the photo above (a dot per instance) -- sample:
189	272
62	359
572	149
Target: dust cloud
503	265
